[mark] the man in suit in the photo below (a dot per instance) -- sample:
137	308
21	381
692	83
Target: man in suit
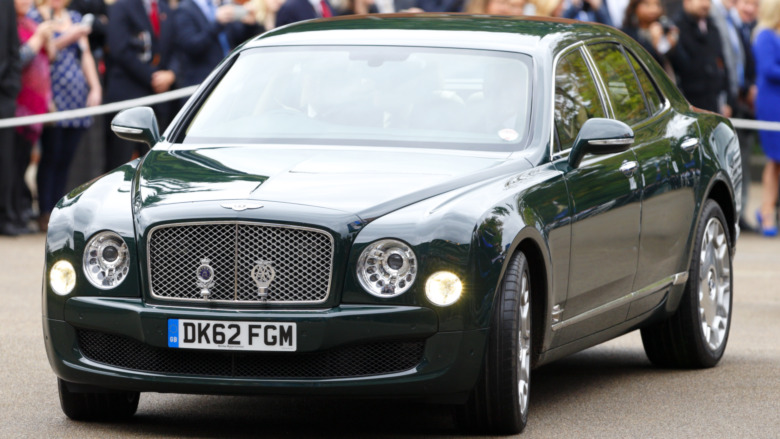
205	34
10	83
299	10
698	59
141	62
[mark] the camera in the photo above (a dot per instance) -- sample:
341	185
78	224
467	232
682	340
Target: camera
666	24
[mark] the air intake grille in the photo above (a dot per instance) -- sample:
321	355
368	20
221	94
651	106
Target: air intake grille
352	361
300	257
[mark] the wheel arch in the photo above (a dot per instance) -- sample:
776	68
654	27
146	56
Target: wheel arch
539	295
721	193
531	243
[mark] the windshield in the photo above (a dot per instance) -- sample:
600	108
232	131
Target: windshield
370	95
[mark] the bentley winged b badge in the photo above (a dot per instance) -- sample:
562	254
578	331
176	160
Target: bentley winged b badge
238	207
263	274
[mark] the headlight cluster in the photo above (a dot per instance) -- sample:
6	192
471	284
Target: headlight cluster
387	268
106	260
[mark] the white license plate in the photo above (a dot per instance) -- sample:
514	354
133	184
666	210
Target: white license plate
223	335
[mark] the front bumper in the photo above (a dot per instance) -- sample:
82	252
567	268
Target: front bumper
449	364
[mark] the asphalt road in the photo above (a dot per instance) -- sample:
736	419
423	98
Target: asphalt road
607	391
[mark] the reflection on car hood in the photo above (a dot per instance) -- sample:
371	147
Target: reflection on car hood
352	180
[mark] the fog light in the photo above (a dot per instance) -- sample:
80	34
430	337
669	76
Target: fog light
62	278
443	288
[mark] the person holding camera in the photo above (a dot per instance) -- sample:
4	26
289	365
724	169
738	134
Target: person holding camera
646	23
206	33
75	84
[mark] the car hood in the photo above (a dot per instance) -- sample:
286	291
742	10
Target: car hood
354	180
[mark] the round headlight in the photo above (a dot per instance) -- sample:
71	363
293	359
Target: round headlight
443	288
62	277
387	268
106	260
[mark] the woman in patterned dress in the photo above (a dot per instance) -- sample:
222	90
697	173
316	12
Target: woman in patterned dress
75	84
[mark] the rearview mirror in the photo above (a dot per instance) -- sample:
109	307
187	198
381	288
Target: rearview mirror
137	124
600	136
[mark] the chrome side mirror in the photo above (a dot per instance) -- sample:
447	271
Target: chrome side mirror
600	136
137	124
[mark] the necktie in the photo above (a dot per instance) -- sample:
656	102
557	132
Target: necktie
325	9
154	18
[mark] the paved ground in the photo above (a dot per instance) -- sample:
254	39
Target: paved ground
607	391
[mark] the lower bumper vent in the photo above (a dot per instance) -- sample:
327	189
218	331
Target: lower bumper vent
351	361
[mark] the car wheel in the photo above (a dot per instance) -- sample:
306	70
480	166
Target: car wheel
499	401
97	406
696	335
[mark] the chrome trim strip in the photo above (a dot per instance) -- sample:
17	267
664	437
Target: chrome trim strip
639	294
609	110
125	130
680	278
237	223
552	92
620	141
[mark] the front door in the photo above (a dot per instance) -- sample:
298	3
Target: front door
605	196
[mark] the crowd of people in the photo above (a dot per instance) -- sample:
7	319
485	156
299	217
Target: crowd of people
59	55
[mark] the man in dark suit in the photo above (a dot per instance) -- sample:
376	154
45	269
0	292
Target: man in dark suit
299	10
10	83
141	62
698	59
205	34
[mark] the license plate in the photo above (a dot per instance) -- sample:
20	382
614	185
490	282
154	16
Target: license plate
222	335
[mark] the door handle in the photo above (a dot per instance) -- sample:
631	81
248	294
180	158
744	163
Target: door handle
689	144
629	167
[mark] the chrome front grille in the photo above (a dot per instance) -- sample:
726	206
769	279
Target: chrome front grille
301	258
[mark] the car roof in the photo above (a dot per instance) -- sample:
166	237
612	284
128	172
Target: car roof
532	35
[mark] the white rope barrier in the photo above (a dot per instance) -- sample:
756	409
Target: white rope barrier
750	124
99	109
747	124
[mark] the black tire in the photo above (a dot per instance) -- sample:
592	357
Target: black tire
97	406
497	404
681	341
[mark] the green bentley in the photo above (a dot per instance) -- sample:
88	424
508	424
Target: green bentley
417	206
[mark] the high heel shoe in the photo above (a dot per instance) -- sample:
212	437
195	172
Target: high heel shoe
766	231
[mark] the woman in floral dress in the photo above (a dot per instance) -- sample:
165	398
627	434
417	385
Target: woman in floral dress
75	84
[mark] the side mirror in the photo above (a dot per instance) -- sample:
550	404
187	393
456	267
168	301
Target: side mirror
137	124
600	136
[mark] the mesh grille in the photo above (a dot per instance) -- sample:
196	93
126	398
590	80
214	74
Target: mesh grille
351	361
301	259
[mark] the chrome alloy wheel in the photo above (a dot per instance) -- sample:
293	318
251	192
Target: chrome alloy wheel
714	284
524	344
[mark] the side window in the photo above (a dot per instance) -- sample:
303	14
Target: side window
576	98
622	87
654	99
